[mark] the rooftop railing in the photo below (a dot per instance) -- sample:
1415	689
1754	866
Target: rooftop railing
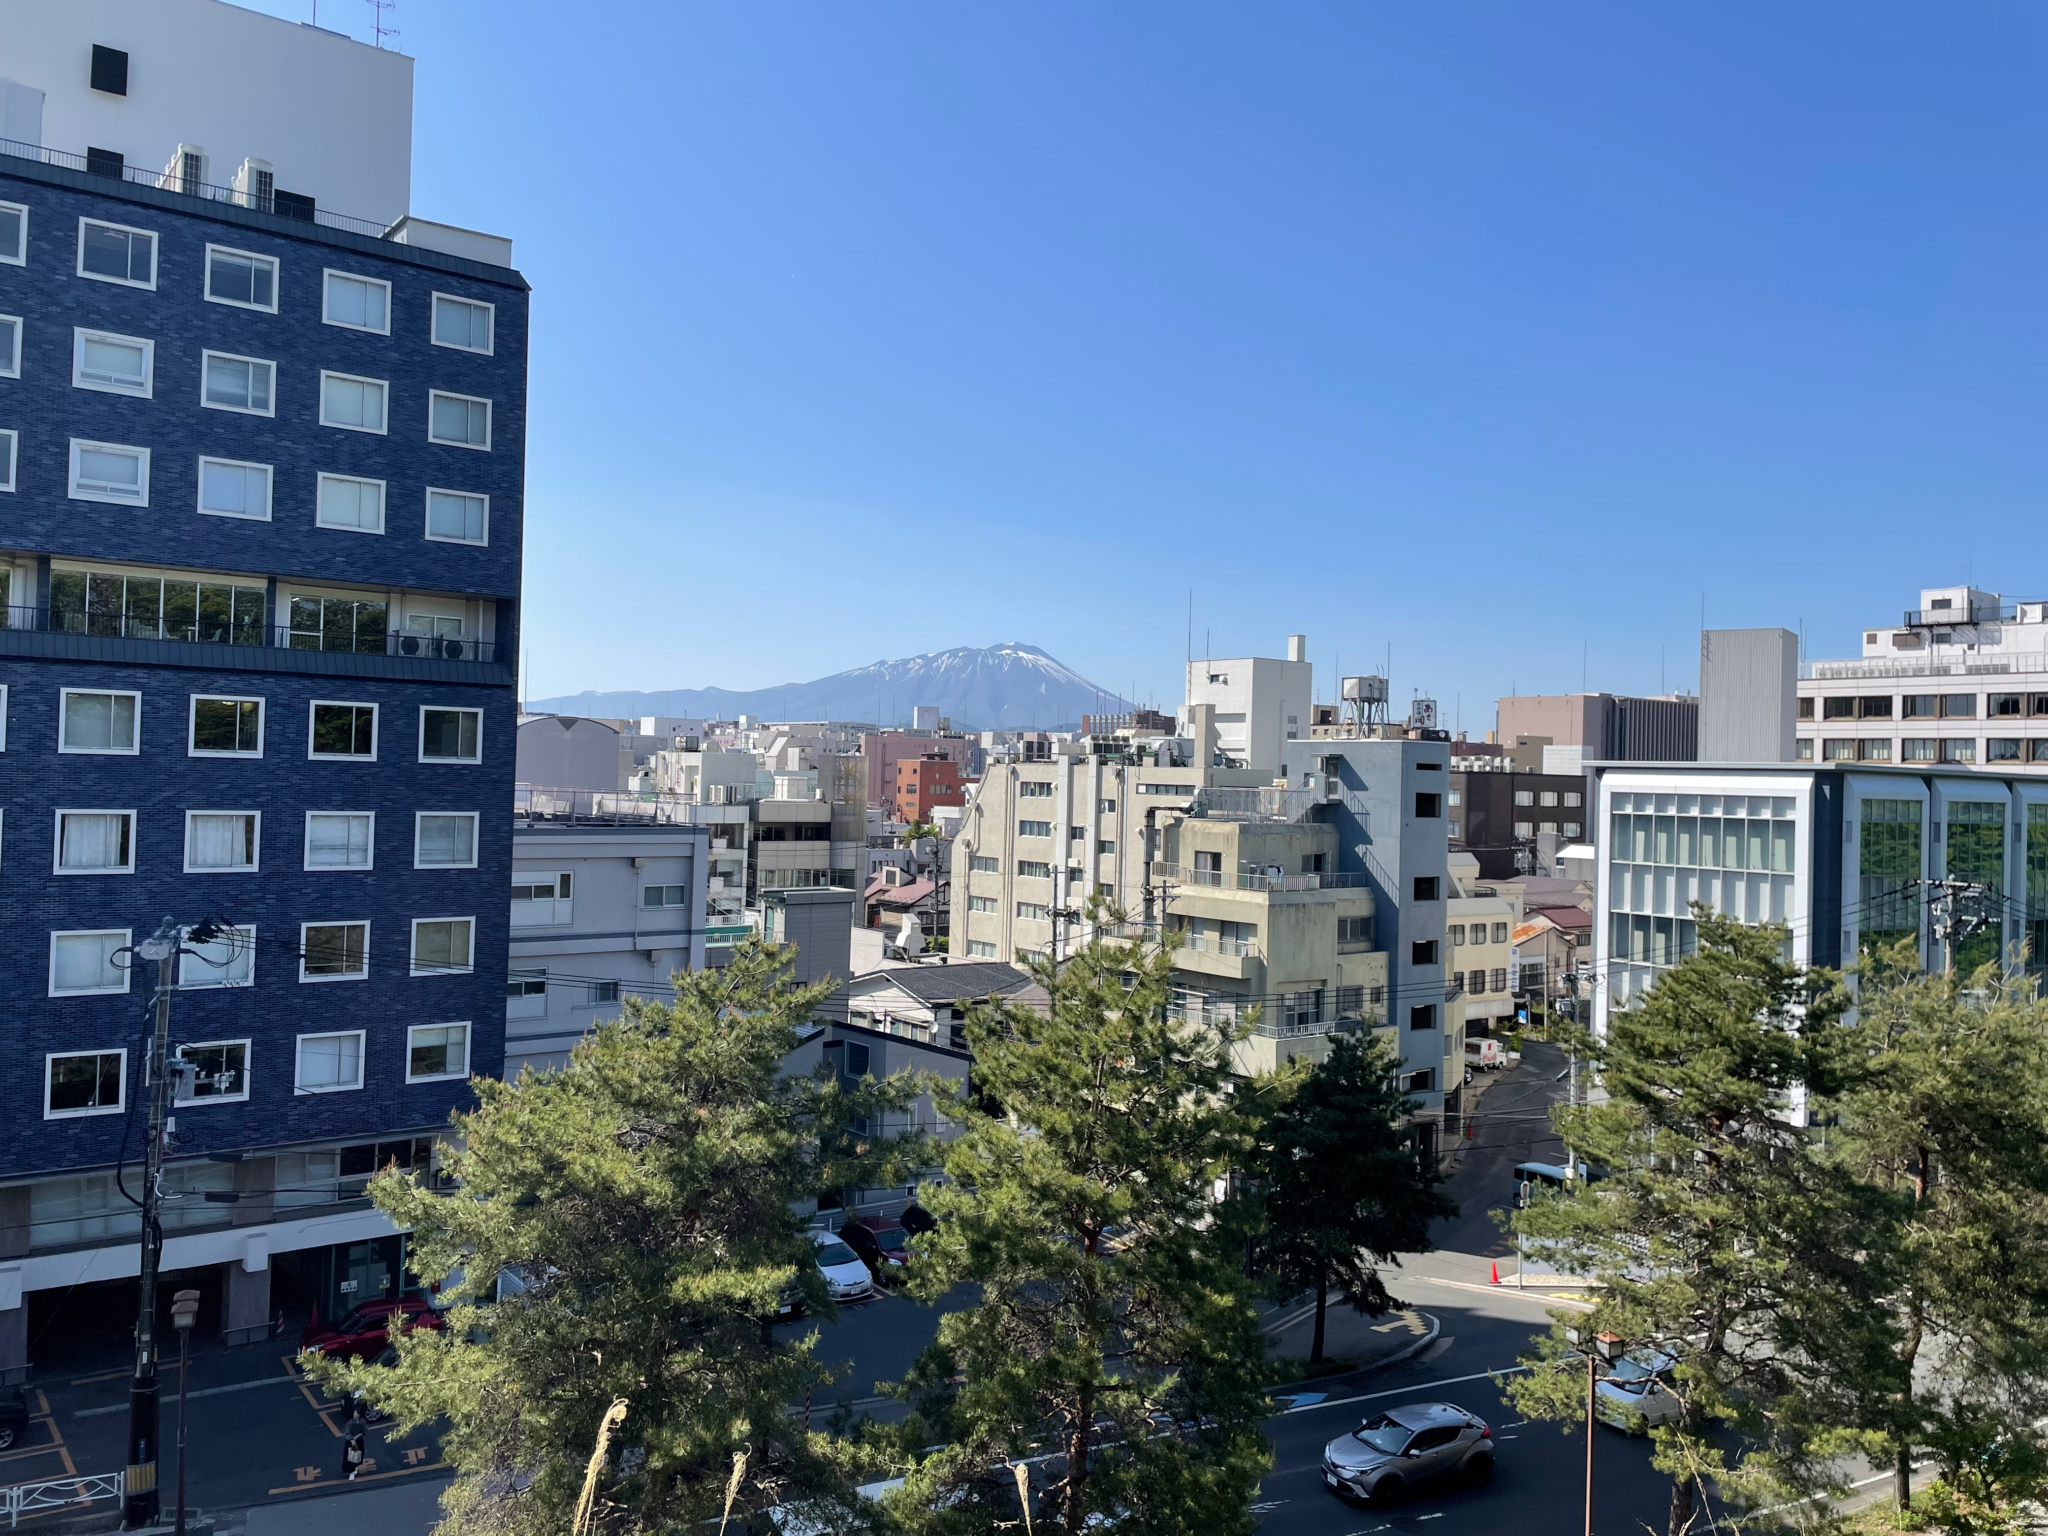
1269	880
1885	666
283	205
1980	613
541	804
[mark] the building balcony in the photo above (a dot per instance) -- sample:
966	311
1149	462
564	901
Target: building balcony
1269	882
1200	962
228	642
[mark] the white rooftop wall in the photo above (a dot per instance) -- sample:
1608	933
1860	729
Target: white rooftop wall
331	115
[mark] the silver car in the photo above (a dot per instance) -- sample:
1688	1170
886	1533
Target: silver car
1635	1394
1392	1452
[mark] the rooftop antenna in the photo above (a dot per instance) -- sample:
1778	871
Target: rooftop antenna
377	25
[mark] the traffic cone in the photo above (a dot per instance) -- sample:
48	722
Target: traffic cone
1496	1275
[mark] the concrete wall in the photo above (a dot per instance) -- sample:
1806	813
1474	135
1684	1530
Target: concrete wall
1261	709
331	115
1749	684
564	752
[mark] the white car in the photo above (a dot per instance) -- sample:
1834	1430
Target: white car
1636	1394
846	1278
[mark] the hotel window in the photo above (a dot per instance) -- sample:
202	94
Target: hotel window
226	727
463	323
1574	829
10	451
111	472
114	365
82	963
444	840
226	961
663	895
1033	869
1525	829
1034	911
334	951
13	234
95	722
982	864
339	624
330	1063
351	403
220	1070
241	278
238	384
1105	845
2004	706
437	1051
344	730
1525	797
116	253
981	904
2037	752
1034	829
2037	703
10	346
1549	827
1573	799
1457	798
451	735
218	842
84	1083
1919	706
1959	706
2002	749
95	843
441	945
460	421
359	303
1875	706
1958	751
230	488
981	949
1917	749
346	502
1457	934
1806	708
1838	749
1802	750
456	517
1456	828
1547	798
1838	709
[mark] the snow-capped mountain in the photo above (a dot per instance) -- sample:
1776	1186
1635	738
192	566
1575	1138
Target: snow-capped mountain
1012	686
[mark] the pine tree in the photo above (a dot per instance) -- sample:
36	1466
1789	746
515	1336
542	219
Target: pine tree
1338	1186
1114	1330
1722	1237
1949	1116
644	1194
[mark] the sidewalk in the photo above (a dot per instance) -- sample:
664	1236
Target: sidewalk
408	1508
1369	1343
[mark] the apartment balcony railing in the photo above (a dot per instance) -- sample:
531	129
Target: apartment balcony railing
194	627
1213	944
540	804
1885	666
259	198
1285	1015
1271	879
1981	613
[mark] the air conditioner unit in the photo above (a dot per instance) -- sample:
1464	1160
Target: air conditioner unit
256	186
186	172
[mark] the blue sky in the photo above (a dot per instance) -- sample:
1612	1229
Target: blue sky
1497	333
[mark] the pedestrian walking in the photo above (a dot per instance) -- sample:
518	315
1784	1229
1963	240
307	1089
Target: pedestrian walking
352	1441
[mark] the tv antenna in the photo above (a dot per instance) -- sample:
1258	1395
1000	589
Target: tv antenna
377	25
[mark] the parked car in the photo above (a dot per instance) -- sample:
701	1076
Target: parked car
1392	1452
917	1220
883	1244
14	1416
1635	1393
846	1277
1484	1054
367	1329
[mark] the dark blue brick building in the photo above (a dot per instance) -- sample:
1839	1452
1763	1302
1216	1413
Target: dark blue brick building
260	525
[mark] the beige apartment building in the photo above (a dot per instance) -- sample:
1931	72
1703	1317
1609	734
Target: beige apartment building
1480	986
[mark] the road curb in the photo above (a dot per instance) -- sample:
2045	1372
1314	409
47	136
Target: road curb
1331	1384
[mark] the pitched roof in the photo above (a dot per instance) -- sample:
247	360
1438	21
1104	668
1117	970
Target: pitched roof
902	895
950	983
1574	918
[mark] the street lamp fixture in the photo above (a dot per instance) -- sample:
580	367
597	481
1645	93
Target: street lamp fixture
184	1313
1600	1349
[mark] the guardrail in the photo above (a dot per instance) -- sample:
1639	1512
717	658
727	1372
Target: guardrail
61	1493
185	624
1272	879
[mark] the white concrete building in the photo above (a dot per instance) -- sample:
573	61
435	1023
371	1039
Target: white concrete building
1261	708
1960	682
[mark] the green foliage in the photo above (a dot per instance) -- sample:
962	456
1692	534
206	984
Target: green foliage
1993	1468
644	1193
1948	1118
1336	1186
1723	1237
1115	1329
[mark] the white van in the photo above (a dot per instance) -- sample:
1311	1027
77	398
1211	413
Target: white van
1484	1054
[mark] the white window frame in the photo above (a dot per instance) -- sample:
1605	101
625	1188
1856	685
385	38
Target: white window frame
362	1060
490	421
3	717
457	298
7	481
208	355
57	840
248	1073
376	732
412	948
127	937
156	253
442	538
467	709
80	334
206	283
383	502
192	722
64	708
306	850
329	273
10	367
355	378
75	493
18	258
254	865
49	1079
468	1041
475	839
335	922
269	487
247	938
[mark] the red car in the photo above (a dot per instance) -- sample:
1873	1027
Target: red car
367	1329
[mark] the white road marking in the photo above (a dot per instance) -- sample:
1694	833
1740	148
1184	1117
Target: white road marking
1417	1388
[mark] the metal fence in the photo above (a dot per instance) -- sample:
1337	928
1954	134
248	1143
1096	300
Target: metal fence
61	1493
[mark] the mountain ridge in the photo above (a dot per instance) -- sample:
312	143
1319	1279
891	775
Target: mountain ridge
1007	686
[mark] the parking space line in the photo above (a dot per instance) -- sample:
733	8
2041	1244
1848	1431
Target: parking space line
323	1484
306	1391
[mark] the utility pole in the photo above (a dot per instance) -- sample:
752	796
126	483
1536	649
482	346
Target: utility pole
140	1503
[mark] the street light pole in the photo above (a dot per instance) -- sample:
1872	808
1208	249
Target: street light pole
140	1502
184	1312
1601	1347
